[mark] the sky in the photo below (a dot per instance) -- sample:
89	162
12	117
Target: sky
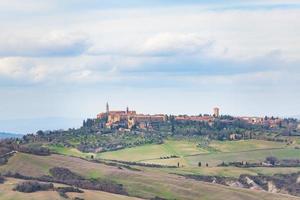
62	60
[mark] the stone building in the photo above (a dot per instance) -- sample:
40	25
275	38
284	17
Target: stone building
129	118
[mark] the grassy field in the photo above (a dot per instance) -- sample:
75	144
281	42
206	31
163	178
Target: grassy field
213	154
69	151
214	159
7	193
179	148
147	183
244	145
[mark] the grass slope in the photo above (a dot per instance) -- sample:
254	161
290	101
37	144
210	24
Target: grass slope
147	183
154	151
69	151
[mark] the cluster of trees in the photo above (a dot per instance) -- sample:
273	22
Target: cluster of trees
9	146
34	149
270	161
62	191
33	186
168	157
88	139
3	160
283	163
66	176
2	179
145	164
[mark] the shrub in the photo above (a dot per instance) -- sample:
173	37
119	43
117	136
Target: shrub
3	161
36	150
272	160
63	190
78	198
2	179
64	175
33	186
60	173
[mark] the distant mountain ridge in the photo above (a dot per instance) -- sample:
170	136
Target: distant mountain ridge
4	135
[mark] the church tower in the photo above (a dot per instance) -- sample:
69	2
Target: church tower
127	110
107	108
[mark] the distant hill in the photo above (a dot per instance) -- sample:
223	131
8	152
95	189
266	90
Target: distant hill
32	125
4	135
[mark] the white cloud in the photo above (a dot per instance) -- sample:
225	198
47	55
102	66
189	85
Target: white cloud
24	5
13	68
171	44
55	43
99	45
236	34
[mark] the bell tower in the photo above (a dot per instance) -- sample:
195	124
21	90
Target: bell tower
107	108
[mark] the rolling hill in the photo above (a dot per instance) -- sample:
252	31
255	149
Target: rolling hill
145	183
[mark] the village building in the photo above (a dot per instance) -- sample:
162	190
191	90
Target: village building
216	112
129	119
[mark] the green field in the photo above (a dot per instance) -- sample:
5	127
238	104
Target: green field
152	153
179	148
69	151
214	159
245	145
213	154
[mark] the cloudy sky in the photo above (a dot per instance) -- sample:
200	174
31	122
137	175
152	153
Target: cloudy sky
64	59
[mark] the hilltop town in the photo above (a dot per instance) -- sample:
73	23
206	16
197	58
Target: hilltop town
130	119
